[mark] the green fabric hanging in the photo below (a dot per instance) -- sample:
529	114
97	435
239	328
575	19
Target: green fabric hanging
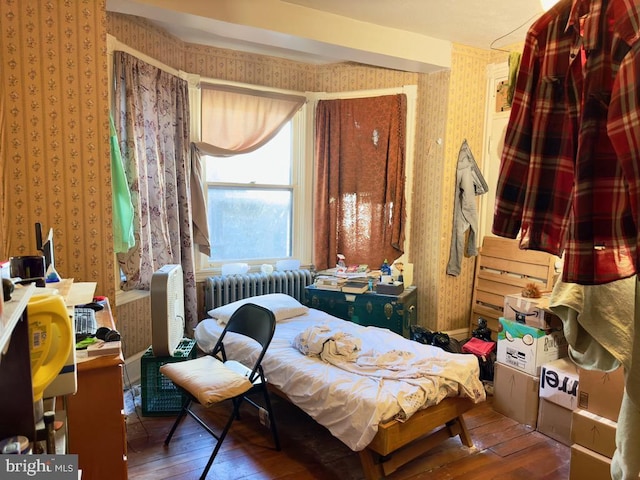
514	66
123	238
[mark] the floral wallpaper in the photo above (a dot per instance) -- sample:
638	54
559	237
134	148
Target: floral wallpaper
465	120
55	162
55	154
428	187
451	107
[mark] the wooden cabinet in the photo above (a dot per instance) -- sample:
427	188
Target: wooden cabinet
95	414
395	312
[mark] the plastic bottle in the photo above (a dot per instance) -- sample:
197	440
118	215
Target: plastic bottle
385	269
52	275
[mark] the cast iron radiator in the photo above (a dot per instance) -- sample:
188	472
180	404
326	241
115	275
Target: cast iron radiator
223	289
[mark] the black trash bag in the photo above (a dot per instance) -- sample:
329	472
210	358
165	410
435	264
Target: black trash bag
482	331
486	366
437	339
420	334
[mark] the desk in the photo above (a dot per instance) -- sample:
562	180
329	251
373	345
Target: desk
395	312
95	414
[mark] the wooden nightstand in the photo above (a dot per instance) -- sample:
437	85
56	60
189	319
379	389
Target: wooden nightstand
395	312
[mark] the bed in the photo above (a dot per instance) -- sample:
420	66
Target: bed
386	397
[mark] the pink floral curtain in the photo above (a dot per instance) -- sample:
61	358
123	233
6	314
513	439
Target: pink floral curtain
151	117
359	206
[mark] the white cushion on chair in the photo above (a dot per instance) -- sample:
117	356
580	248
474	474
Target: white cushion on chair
207	379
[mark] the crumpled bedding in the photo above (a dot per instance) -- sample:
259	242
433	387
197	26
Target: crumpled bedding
332	346
393	377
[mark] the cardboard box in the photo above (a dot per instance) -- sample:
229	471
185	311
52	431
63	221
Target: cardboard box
554	421
587	464
531	311
528	348
515	394
601	392
593	432
104	348
559	383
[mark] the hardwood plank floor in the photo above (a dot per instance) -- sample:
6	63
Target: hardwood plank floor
503	450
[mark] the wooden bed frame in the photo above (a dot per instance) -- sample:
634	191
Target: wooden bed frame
397	443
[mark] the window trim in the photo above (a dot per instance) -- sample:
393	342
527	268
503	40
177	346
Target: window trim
301	180
302	175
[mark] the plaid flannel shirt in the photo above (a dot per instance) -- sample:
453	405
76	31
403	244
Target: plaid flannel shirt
561	184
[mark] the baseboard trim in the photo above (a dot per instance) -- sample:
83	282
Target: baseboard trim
132	371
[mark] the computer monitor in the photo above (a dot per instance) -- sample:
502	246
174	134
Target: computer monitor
46	246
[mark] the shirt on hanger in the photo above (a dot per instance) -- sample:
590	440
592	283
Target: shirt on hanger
561	184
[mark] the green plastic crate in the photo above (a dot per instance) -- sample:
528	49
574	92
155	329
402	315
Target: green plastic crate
160	397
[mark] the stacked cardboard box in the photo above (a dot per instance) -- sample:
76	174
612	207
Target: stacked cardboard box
527	348
559	381
593	427
515	394
523	348
521	351
531	311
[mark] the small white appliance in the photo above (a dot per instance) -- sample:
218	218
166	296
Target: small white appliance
167	310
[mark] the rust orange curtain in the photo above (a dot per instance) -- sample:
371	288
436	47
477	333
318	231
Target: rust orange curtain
359	207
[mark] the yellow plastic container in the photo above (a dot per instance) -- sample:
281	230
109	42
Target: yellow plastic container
50	339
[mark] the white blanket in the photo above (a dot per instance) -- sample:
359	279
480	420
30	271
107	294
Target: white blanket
351	402
331	346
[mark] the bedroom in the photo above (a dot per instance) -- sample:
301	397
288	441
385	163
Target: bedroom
67	188
85	252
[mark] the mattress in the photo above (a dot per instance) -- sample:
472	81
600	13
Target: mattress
393	377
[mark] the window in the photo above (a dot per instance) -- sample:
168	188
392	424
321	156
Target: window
250	202
256	200
260	204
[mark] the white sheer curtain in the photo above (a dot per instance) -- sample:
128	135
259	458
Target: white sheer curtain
239	120
235	120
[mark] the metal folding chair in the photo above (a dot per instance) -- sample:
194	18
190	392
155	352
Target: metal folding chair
213	378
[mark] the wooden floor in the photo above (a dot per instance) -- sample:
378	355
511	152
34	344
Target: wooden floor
503	449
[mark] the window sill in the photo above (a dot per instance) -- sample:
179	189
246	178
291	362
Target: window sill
124	297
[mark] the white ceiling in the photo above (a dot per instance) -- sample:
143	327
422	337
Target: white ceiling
476	23
418	33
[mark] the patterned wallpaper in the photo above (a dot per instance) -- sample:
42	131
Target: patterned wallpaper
55	154
465	120
428	183
451	107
